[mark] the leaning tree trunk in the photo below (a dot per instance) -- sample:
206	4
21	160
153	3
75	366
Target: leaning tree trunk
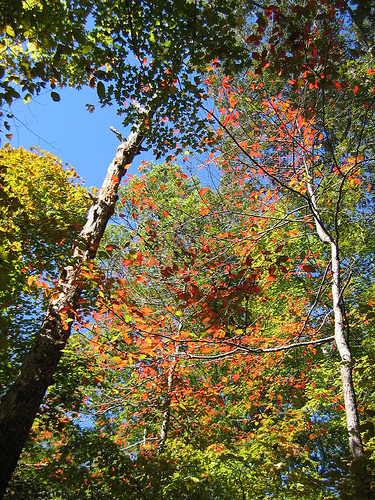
21	403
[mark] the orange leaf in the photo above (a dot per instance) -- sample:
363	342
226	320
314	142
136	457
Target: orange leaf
308	268
146	311
235	377
232	102
126	338
202	191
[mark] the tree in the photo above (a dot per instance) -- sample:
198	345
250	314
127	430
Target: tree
287	135
290	134
238	400
215	288
42	207
96	56
152	53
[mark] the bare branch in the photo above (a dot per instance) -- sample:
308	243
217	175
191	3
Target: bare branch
117	133
260	350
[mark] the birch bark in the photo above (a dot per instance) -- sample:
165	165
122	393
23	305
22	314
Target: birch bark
347	362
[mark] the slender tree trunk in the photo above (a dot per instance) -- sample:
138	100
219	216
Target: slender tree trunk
167	404
21	403
347	362
352	418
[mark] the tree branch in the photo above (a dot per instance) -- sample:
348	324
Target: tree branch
259	350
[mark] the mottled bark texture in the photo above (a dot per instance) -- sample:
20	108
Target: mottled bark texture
21	403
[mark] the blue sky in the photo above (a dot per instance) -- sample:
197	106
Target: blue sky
83	139
70	132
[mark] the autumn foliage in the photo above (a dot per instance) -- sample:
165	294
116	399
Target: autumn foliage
222	345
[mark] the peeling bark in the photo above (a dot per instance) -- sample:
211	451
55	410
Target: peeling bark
20	405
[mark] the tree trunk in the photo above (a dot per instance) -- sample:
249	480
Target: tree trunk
21	403
352	419
167	402
347	362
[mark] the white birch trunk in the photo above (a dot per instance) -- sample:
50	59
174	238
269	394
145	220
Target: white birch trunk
347	362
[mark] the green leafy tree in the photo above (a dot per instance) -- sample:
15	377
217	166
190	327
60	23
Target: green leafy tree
42	209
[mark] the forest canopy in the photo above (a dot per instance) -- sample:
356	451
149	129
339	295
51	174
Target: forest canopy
202	329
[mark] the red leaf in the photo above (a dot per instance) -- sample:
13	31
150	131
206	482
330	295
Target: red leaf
308	268
235	377
139	257
166	272
202	191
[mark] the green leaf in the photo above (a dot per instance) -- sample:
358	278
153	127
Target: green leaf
55	96
10	31
86	49
13	93
100	89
